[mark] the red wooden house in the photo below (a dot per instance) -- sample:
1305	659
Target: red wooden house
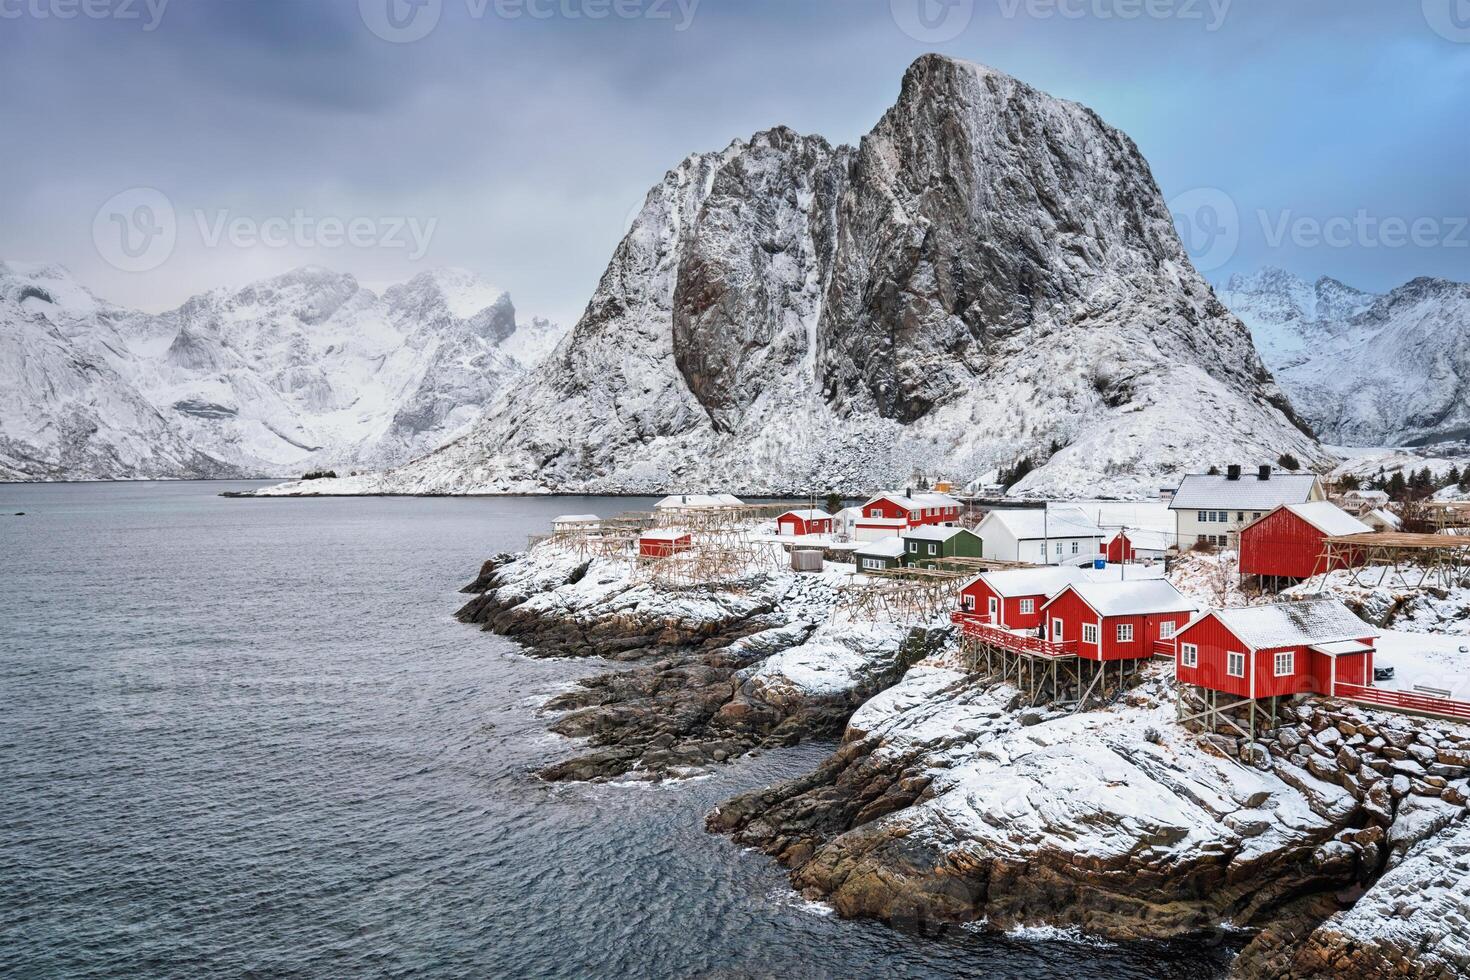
660	542
913	508
1283	649
1013	598
1117	620
804	522
1287	542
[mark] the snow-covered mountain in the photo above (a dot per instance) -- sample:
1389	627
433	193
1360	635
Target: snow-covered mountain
992	271
1364	369
301	371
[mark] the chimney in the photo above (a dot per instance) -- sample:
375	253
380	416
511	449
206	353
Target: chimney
1232	472
1264	473
908	492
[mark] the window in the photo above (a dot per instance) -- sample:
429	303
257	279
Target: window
1256	516
934	549
1056	630
875	512
970	603
1089	632
872	563
1125	632
1028	606
1286	664
994	608
1059	549
1204	517
1166	630
913	547
1235	664
1076	547
1239	516
1188	655
1221	517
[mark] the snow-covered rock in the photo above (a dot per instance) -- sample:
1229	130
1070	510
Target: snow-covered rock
990	274
303	371
1364	369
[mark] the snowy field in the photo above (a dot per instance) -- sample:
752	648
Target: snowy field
1425	660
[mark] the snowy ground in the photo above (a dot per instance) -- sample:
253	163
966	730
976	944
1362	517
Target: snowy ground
1428	660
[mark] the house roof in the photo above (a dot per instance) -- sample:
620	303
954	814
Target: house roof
1145	539
699	500
1140	597
932	532
1036	524
1045	581
1198	492
1328	517
664	534
1366	495
919	500
882	548
1289	624
1342	648
808	515
576	519
849	512
1386	518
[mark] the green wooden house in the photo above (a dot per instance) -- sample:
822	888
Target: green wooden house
923	547
881	555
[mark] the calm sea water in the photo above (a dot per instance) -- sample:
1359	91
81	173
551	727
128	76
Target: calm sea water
247	737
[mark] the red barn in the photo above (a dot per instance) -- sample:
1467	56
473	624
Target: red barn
1283	649
1116	620
804	522
914	509
662	542
1287	543
1013	598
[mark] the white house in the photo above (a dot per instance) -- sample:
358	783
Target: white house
1052	536
1382	520
698	501
845	520
1213	508
1361	501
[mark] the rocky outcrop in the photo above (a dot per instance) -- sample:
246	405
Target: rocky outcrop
784	313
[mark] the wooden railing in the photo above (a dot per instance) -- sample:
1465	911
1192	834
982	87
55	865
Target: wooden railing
1164	648
1404	701
979	627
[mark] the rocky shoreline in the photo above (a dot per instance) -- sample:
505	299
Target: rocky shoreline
950	800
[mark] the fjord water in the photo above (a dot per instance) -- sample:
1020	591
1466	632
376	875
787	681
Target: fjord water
248	737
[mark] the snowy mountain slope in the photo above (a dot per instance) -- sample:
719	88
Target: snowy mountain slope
991	271
306	369
1365	370
65	412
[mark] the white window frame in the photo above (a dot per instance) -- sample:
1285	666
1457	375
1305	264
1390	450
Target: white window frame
934	549
1188	655
969	602
1028	607
1057	631
1166	629
1288	658
1076	547
1232	658
874	564
1059	549
1203	517
1125	632
913	547
1089	633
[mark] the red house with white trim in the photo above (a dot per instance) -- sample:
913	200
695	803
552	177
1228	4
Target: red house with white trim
1283	649
1117	620
913	509
661	542
804	522
1013	598
1287	543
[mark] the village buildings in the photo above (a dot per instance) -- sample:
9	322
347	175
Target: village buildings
1052	536
1286	545
1214	508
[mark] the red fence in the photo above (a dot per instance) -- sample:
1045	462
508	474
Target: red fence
978	626
1404	701
1164	648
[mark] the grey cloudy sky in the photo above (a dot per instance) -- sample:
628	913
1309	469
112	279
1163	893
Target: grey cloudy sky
516	136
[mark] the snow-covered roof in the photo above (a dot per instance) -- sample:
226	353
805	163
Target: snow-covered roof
1141	597
1386	518
1144	539
1045	581
665	534
1368	496
848	513
933	532
1342	648
576	519
1036	524
1247	493
675	500
1289	624
808	515
919	499
882	548
1328	518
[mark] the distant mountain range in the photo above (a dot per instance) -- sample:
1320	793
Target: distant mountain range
303	371
1364	369
991	274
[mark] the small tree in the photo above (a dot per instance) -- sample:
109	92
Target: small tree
1349	482
1397	486
1453	477
1464	483
1213	471
834	501
1288	462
